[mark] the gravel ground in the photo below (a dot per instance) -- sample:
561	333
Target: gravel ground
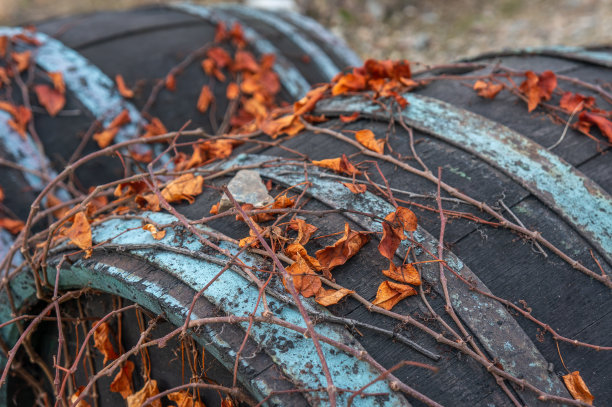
428	31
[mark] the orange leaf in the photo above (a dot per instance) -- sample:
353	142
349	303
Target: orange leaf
205	98
538	87
148	390
50	98
403	219
488	90
157	234
227	402
343	249
244	61
220	31
122	383
1	194
76	395
575	101
170	82
149	202
289	124
103	343
308	102
12	226
184	399
219	56
349	119
305	281
126	189
237	35
341	165
356	188
586	119
21	117
121	119
184	187
80	233
304	229
295	249
232	91
3	45
405	274
22	59
578	388
366	139
389	294
331	297
123	89
349	82
105	137
155	128
58	81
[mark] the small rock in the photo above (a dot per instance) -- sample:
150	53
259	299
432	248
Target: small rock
246	187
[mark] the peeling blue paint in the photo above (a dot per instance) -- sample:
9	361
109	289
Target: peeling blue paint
290	78
320	59
573	196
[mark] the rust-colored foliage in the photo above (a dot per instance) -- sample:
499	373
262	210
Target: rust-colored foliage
343	249
157	234
232	91
396	223
103	343
122	383
390	293
367	139
538	87
13	226
289	124
52	100
331	297
80	233
75	396
185	187
205	99
587	119
155	127
106	136
488	89
406	274
122	87
184	399
58	81
355	188
341	165
305	281
295	249
148	390
21	116
3	45
578	388
575	101
170	82
350	118
305	230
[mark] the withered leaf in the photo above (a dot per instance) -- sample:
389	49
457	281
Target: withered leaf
343	249
122	383
170	82
232	91
578	388
289	124
149	202
3	45
394	226
575	101
220	57
122	87
356	188
487	89
244	61
538	87
405	274
341	165
157	234
58	81
350	118
295	249
331	297
308	102
75	397
184	399
105	137
80	233
586	119
367	139
52	100
103	343
390	293
305	281
185	187
148	390
155	128
13	226
349	82
205	98
305	230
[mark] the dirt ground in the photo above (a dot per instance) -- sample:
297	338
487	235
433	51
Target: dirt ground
428	31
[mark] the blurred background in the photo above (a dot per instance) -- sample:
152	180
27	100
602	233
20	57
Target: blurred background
428	31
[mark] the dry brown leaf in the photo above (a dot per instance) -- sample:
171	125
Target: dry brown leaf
170	82
367	139
122	383
289	124
305	281
305	230
105	137
157	234
1	194
348	83
331	297
575	101
390	293
155	128
487	90
149	202
13	226
21	117
184	187
406	274
103	343
232	91
76	395
227	402
121	119
350	118
244	61
205	98
184	399
586	119
308	102
578	388
538	87
396	223
3	45
356	188
148	390
58	81
341	165
295	249
80	233
343	249
122	87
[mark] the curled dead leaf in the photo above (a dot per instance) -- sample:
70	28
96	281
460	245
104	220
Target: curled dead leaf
58	81
331	297
488	89
105	137
205	99
350	118
122	383
184	187
232	91
148	390
343	249
122	87
341	165
538	87
367	139
390	293
395	224
405	274
305	281
575	101
184	399
103	343
157	234
80	233
295	249
75	397
578	388
305	230
13	226
355	188
587	119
